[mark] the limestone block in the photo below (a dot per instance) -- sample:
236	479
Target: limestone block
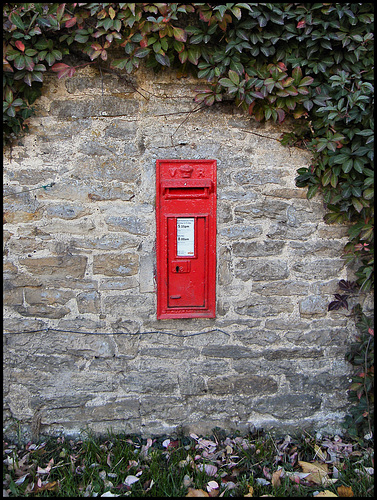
288	406
258	249
88	302
112	264
314	305
318	268
241	384
259	306
107	106
63	266
261	270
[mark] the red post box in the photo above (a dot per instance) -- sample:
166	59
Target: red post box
186	238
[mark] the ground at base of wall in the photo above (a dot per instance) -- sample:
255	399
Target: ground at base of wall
216	465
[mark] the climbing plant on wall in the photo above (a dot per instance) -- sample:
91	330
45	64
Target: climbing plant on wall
309	61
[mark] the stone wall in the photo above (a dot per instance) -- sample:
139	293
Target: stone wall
83	347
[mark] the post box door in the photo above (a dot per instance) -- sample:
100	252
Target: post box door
187	240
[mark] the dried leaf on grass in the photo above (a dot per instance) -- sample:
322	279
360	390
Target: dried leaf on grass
196	493
345	491
275	479
318	472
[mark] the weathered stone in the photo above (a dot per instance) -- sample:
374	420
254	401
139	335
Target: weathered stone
66	266
234	352
88	302
287	406
47	296
319	268
313	305
257	249
150	381
318	248
261	270
191	385
107	106
271	210
131	224
251	177
281	288
65	211
241	231
259	306
43	311
242	384
256	336
125	264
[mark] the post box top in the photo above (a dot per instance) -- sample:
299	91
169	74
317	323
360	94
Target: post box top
186	169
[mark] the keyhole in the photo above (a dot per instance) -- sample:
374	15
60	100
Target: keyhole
177	269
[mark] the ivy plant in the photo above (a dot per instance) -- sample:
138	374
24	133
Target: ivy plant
312	62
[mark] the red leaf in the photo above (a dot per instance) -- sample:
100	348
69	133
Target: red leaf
71	22
59	67
20	45
301	24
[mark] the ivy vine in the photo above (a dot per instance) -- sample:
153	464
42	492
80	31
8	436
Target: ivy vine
309	61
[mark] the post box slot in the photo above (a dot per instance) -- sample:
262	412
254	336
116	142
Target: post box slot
186	188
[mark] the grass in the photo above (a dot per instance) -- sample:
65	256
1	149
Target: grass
218	465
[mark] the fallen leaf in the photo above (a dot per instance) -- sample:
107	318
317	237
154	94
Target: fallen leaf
196	493
345	491
317	471
209	469
166	443
275	480
187	481
43	486
47	469
213	488
21	479
130	480
296	476
109	494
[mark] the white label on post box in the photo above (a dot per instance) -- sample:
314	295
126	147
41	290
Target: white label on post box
185	237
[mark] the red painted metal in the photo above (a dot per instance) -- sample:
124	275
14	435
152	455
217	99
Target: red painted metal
186	238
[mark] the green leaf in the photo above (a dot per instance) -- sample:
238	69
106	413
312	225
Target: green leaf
357	204
312	191
326	177
234	77
225	82
368	194
180	34
347	165
17	21
19	62
307	80
142	52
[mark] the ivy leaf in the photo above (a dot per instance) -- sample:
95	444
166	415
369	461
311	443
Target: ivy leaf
357	204
63	70
142	52
17	21
234	77
179	34
20	45
341	301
